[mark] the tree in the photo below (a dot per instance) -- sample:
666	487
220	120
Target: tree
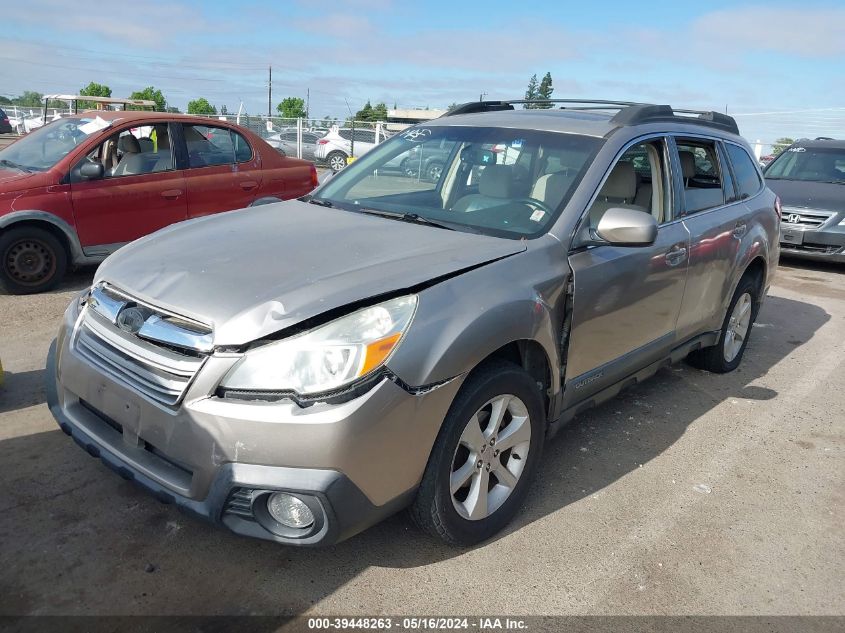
544	92
151	94
372	113
451	106
781	144
93	89
328	121
201	106
224	109
5	100
365	113
29	99
172	110
531	92
292	108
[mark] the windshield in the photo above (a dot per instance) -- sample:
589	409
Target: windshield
42	148
820	164
498	181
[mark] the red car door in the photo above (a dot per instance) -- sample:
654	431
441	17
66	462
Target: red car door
224	171
139	191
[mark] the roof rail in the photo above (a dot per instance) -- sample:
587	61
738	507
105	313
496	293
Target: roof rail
629	112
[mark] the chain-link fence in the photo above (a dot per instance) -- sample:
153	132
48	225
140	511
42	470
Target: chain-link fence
326	142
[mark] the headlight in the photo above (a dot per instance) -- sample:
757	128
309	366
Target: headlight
328	357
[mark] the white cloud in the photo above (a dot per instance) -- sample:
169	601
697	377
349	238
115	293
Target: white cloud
807	32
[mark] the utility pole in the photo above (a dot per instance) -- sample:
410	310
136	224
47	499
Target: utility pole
270	94
307	103
481	96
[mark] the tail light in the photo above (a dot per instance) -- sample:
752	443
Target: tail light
322	141
314	180
778	207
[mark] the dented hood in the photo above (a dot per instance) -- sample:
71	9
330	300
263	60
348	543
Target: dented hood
253	272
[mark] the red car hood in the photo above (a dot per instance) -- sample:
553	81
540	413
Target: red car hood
15	180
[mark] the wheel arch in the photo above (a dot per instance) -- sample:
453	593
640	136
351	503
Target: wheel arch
60	229
758	266
531	356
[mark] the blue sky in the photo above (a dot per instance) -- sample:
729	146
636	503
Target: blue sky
750	58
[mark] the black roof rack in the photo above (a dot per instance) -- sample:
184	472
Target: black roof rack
628	112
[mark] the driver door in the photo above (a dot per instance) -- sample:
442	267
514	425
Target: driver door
626	300
140	191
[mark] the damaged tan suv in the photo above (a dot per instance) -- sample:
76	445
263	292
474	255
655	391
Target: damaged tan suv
299	371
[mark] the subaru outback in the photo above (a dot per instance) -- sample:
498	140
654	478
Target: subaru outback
389	342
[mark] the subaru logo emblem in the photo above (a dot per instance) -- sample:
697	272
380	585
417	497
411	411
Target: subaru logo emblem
131	319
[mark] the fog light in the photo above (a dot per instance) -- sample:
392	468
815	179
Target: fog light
290	511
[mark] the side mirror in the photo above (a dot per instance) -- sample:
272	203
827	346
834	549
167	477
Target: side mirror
627	227
92	171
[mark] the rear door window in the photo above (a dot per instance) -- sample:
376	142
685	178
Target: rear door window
747	181
701	174
210	145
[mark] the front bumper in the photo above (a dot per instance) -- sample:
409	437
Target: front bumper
826	243
355	462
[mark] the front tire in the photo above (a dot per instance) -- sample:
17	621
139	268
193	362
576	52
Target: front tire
726	355
32	260
485	457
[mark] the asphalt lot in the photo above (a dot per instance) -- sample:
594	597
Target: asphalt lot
690	494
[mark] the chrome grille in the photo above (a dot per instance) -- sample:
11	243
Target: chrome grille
159	373
805	218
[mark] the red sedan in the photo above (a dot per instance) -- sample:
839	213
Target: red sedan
76	190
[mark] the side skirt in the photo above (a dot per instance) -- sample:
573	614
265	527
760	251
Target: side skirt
675	356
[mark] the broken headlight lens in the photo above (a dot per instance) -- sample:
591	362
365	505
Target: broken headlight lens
328	357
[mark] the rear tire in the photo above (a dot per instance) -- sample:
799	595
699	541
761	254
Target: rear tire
726	355
32	260
433	171
336	161
485	456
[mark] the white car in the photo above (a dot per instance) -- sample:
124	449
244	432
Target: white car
336	146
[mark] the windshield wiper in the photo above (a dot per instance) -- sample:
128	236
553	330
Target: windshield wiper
8	163
410	217
319	202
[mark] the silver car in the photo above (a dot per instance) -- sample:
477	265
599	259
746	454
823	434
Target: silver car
809	178
299	371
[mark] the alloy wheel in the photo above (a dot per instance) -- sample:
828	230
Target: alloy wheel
738	325
490	457
337	162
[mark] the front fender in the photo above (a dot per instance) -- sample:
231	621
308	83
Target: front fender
30	215
461	321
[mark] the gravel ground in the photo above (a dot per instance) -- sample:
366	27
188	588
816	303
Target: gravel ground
690	494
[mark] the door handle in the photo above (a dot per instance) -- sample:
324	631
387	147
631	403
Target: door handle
676	256
171	194
247	185
740	230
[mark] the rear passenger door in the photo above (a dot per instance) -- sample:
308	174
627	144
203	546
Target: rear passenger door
626	299
715	218
222	172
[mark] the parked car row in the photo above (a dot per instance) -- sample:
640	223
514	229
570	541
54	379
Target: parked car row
301	370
